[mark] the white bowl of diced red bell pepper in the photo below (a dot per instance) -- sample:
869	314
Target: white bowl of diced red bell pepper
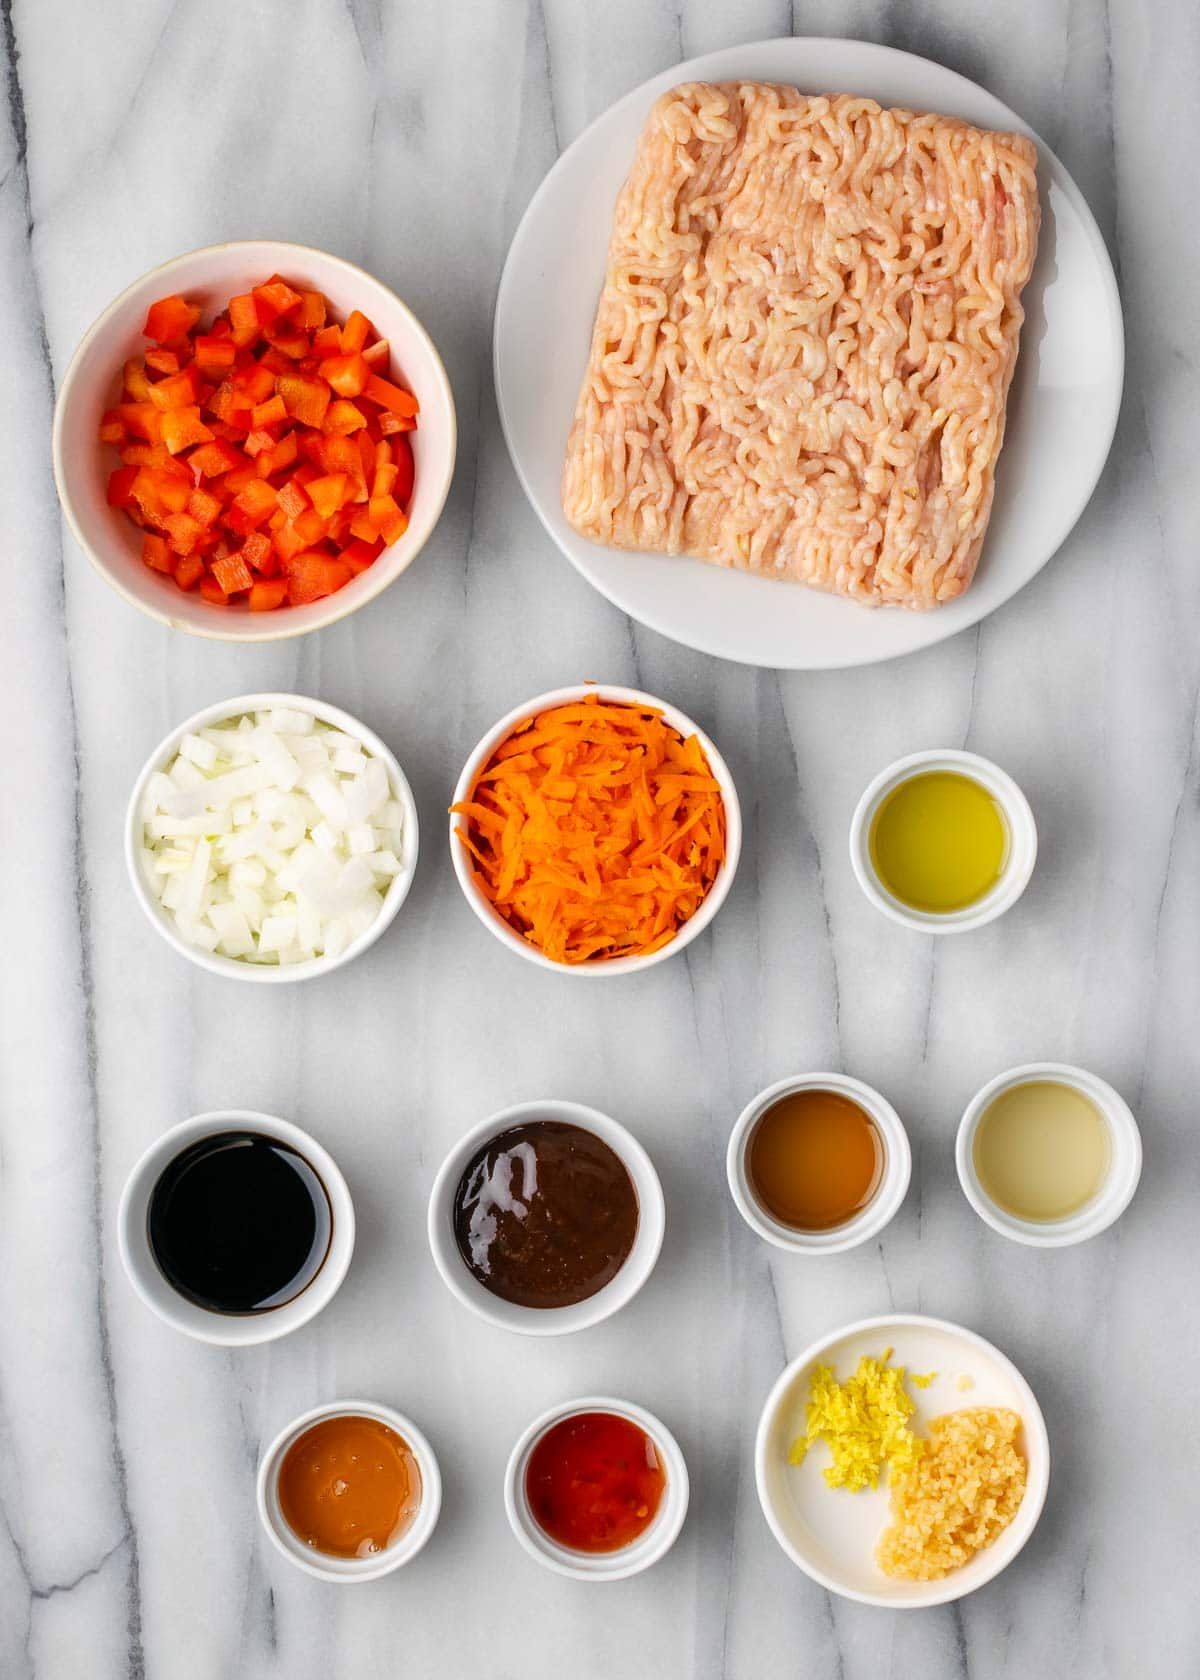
254	440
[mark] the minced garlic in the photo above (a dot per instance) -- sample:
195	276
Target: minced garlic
959	1497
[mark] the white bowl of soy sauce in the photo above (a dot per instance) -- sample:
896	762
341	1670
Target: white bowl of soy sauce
236	1227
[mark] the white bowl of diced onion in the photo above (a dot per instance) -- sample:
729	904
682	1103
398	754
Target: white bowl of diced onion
271	838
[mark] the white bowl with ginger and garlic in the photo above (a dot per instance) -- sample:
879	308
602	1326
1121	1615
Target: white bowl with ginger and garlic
837	1536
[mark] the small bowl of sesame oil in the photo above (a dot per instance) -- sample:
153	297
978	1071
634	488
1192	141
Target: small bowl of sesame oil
819	1163
943	842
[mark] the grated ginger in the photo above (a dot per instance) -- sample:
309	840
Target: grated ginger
864	1422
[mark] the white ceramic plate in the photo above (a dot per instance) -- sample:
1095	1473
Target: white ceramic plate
831	1534
1062	408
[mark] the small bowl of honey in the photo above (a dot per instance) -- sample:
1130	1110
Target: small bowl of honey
1048	1155
819	1163
943	842
596	1489
349	1491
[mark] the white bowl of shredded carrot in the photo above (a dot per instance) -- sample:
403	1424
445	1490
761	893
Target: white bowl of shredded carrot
595	830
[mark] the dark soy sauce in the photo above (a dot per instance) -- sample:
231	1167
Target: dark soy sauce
239	1223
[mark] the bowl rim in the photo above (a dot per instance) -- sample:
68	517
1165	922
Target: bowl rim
717	893
1018	866
234	967
651	1545
218	1329
277	629
620	1289
871	1219
1110	1200
350	1571
943	1590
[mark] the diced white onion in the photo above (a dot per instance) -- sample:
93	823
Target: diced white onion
272	838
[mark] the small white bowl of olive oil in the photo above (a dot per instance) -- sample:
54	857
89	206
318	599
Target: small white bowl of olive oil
1048	1155
943	841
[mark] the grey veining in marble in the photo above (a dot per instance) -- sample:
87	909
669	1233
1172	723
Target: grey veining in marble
409	138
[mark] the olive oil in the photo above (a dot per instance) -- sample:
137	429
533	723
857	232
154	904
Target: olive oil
939	842
1041	1150
815	1159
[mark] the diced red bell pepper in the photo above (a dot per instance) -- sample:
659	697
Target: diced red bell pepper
120	487
389	396
136	382
251	506
288	339
327	494
237	479
188	570
159	493
305	399
244	320
182	427
216	457
267	594
387	517
212	591
356	331
347	373
183	532
275	298
312	575
342	418
311	527
141	419
257	551
312	312
254	384
358	555
155	552
272	412
232	574
279	457
405	470
204	507
162	361
170	319
181	390
292	500
287	541
214	356
274	418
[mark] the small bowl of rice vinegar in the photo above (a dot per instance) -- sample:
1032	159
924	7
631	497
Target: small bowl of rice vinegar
819	1163
943	842
1048	1155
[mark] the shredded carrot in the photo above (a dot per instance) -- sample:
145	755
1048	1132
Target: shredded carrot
596	830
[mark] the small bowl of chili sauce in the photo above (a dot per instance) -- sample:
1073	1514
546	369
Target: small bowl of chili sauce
596	1489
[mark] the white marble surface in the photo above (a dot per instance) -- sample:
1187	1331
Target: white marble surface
410	138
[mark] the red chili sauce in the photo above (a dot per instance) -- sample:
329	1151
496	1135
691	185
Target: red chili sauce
594	1482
